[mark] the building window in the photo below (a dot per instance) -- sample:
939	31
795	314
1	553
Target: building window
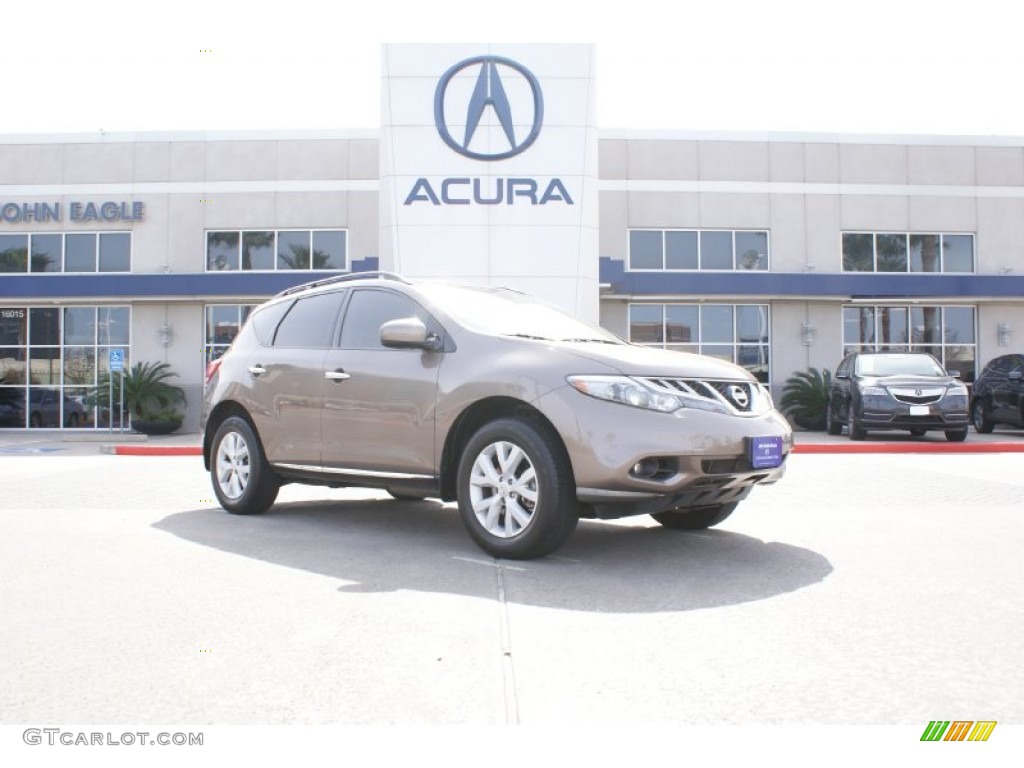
903	252
223	322
697	250
66	252
945	332
283	249
52	358
738	333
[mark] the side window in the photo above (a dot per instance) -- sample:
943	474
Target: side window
310	322
844	367
369	310
265	320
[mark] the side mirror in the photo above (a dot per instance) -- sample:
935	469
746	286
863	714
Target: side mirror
409	333
954	374
841	376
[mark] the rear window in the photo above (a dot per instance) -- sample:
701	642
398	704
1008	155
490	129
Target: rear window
265	320
310	322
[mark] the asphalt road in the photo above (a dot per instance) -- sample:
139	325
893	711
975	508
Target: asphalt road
860	590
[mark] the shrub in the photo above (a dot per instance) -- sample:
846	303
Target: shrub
805	397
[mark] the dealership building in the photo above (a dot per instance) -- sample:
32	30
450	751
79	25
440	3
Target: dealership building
779	252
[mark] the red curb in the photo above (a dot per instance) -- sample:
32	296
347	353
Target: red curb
158	450
909	448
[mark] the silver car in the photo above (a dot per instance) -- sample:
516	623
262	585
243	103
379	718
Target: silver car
526	416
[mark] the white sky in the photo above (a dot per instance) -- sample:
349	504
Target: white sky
898	66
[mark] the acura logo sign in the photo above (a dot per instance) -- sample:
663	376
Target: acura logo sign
495	76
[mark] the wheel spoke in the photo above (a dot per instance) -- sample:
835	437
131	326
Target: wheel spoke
527	492
493	517
518	514
513	455
484	472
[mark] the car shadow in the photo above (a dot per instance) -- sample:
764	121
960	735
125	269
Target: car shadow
386	545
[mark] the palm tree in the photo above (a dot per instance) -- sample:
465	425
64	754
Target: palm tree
805	398
147	395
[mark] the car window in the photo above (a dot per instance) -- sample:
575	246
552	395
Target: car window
844	367
264	321
369	310
897	365
310	322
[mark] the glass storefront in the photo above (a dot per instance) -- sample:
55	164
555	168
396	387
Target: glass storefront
51	361
946	332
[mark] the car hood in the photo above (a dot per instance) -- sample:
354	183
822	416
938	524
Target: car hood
633	360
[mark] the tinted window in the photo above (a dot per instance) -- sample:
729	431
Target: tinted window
368	311
293	250
264	321
47	253
80	253
310	323
716	250
645	249
115	252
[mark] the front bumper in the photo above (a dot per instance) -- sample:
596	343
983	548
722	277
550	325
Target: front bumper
901	418
702	458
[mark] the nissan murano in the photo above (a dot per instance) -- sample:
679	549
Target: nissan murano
524	415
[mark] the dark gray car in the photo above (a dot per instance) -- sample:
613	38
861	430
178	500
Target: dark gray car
896	390
998	396
526	416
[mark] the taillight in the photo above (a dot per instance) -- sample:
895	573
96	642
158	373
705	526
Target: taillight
211	368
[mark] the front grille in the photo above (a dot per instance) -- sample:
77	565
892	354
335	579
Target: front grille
740	396
917	396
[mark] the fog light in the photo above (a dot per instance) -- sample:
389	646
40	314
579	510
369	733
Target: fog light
646	468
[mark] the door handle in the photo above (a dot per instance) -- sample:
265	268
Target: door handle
337	375
257	370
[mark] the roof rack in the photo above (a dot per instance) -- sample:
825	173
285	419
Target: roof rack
343	279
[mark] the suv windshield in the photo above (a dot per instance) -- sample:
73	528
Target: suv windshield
898	365
507	313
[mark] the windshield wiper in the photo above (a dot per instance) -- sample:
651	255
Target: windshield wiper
528	336
595	341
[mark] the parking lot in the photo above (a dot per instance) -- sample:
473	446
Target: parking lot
867	589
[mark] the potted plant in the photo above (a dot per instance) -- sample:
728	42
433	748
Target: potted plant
153	404
805	397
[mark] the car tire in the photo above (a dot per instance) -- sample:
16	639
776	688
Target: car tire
515	488
956	435
918	432
857	432
242	479
695	519
832	426
979	417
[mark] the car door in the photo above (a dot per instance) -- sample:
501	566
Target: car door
1014	388
1000	386
287	380
839	400
378	415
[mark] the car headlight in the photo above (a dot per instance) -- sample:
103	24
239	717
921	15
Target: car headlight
627	391
956	390
873	391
